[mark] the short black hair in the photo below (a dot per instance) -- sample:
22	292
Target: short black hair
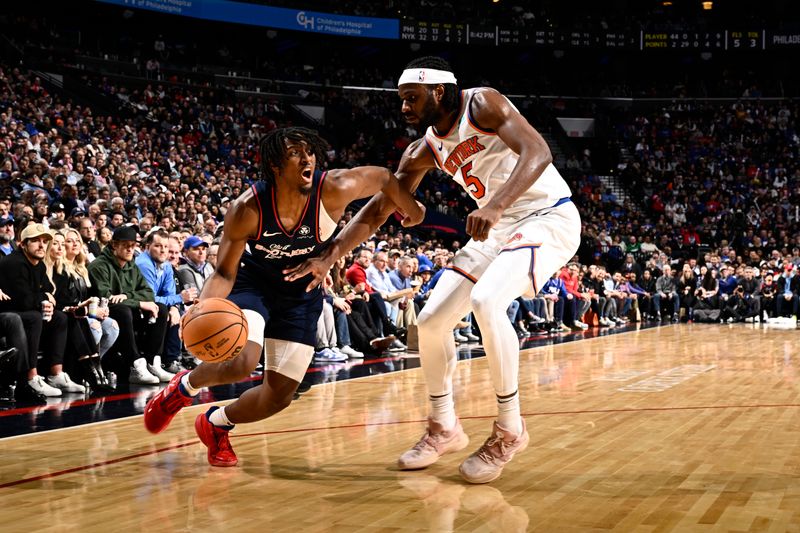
272	148
152	234
450	99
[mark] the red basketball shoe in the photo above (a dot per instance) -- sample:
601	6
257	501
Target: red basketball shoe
220	452
163	406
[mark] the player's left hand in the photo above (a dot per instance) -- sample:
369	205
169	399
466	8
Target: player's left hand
316	267
480	221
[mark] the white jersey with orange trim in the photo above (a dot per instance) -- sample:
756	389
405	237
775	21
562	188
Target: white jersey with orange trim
481	162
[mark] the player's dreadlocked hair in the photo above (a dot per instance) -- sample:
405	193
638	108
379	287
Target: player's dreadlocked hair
272	148
450	98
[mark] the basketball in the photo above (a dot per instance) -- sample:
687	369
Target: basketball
214	330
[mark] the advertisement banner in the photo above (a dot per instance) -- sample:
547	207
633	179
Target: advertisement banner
271	17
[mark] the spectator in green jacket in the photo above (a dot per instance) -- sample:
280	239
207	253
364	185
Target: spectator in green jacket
114	275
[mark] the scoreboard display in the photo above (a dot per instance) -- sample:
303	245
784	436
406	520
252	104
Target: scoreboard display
434	32
645	40
498	36
617	39
481	34
746	40
511	36
673	40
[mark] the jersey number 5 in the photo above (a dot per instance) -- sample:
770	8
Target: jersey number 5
473	183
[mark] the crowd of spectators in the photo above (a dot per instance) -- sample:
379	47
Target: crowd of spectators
718	180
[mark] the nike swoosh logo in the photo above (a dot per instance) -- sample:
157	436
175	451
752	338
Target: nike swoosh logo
441	145
268	234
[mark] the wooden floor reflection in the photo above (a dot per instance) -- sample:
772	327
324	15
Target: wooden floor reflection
684	428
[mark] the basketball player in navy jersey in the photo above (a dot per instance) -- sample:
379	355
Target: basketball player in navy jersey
285	218
525	228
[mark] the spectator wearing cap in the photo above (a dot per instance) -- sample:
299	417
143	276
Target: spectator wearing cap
426	273
115	276
788	291
69	198
391	260
57	211
154	265
7	244
26	290
195	268
76	214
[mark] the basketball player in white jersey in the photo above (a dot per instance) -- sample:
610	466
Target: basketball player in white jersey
525	228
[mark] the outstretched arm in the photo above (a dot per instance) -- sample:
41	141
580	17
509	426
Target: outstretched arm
416	161
343	186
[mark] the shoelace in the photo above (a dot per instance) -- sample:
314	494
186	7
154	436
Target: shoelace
423	441
485	452
427	440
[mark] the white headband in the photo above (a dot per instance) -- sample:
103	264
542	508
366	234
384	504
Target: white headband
428	76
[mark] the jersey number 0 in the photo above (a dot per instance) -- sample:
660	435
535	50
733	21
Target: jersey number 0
473	183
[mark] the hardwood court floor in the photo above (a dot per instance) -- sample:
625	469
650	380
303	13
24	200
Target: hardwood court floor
683	428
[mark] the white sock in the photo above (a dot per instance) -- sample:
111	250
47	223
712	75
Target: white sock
219	419
508	413
443	410
187	387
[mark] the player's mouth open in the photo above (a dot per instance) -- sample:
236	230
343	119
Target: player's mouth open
307	173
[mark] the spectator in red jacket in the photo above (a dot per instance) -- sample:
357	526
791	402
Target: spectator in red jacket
581	301
357	278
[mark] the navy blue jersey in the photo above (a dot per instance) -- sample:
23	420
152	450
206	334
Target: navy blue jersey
276	247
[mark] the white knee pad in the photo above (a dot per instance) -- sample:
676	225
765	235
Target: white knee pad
255	326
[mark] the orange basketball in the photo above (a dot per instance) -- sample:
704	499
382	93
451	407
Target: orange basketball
214	330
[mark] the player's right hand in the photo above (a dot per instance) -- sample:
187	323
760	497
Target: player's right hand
315	267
